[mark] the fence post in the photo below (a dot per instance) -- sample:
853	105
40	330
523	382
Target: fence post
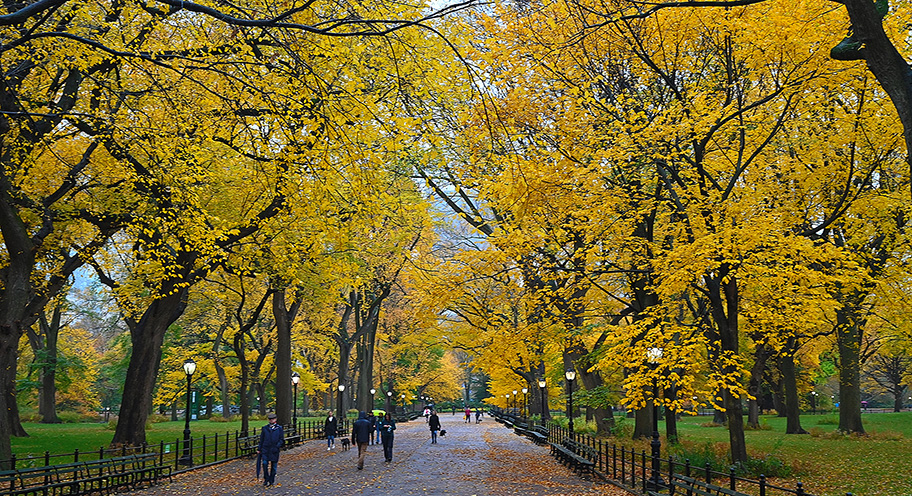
614	464
161	452
623	465
731	478
204	449
687	467
177	453
762	485
643	464
799	491
76	455
709	476
101	453
671	469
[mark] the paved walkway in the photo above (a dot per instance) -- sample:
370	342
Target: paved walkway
484	459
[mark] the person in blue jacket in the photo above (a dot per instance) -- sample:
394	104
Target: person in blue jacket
272	438
361	435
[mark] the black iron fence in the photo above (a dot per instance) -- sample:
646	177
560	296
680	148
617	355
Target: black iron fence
198	452
634	470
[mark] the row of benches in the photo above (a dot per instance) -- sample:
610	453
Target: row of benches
582	459
96	476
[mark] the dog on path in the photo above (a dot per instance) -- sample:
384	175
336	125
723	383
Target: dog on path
442	432
346	443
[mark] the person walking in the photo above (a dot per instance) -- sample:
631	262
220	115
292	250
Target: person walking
434	424
361	432
373	420
387	426
330	427
272	438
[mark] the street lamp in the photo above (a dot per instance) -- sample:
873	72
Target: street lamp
295	378
514	401
524	391
814	402
654	355
187	458
403	402
389	401
339	410
541	389
373	392
570	374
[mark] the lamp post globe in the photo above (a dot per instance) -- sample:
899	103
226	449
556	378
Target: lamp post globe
187	457
570	375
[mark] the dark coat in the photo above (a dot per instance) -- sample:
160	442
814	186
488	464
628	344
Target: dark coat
330	427
272	438
361	429
386	427
434	422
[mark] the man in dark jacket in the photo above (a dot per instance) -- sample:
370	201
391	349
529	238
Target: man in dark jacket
361	435
272	438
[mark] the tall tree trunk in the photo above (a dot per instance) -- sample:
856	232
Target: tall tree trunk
147	337
790	385
761	355
671	418
642	426
849	327
283	385
722	289
45	346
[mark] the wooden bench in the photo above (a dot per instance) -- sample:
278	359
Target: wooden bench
538	434
688	486
96	476
577	456
247	446
521	429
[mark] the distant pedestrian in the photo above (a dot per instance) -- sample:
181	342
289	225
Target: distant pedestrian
373	420
387	426
272	438
361	432
434	424
330	426
468	414
376	432
477	415
427	413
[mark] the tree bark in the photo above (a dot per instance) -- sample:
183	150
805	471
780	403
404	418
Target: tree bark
790	385
761	355
849	327
283	386
147	337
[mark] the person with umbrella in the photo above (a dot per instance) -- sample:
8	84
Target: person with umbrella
272	438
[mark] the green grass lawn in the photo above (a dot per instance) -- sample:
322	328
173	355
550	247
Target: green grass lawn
65	438
828	464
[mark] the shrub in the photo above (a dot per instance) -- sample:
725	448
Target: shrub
622	428
157	419
219	418
715	454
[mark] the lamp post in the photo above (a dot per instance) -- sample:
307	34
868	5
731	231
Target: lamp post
187	457
403	401
389	401
339	410
507	405
524	412
654	355
541	390
373	392
814	402
570	374
295	378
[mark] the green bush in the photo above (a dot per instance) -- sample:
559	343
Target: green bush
828	420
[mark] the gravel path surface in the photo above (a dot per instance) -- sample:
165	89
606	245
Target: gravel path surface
483	459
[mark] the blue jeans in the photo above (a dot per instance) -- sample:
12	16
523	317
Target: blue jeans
330	441
433	436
